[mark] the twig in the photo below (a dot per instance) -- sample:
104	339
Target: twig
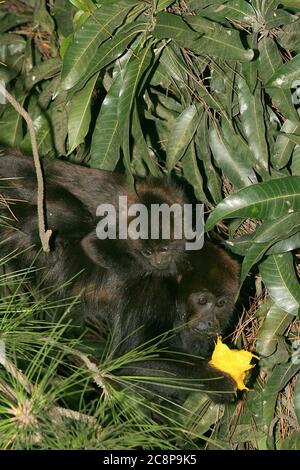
44	234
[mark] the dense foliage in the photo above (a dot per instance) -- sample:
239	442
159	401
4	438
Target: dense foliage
205	89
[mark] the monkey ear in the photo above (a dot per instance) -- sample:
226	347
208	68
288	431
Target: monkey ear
90	245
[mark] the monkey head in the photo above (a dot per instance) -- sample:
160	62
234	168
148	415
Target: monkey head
207	296
160	250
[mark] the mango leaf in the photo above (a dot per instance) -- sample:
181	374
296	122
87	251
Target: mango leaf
113	48
266	235
181	135
286	75
11	133
162	4
218	41
135	69
270	199
289	38
287	244
281	375
213	183
239	10
249	70
43	133
99	27
237	143
284	145
79	112
42	71
140	147
105	146
252	118
200	413
236	168
202	36
173	27
275	324
279	277
191	172
240	245
269	61
295	166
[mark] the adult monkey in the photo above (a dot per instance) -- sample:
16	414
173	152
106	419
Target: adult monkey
138	275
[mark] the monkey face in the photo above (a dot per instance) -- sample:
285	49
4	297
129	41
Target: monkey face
162	257
208	313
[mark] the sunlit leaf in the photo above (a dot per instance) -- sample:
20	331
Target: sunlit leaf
267	200
279	276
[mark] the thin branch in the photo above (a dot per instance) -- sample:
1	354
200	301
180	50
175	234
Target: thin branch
44	234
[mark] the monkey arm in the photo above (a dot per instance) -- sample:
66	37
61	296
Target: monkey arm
177	377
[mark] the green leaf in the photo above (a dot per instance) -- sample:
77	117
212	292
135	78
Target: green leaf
180	137
191	172
267	200
287	74
275	324
173	27
279	277
42	71
202	36
288	244
113	48
217	41
295	166
266	235
269	61
43	133
214	182
288	36
252	118
284	145
105	146
239	10
99	27
135	69
250	69
281	375
233	165
11	126
12	21
141	148
79	112
162	4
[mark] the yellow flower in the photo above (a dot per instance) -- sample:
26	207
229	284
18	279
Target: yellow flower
232	361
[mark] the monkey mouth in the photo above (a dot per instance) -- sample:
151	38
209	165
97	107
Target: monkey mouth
203	332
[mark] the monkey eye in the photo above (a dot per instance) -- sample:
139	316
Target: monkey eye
220	303
147	253
164	249
202	301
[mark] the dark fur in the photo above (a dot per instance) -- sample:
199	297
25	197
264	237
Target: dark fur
136	294
206	298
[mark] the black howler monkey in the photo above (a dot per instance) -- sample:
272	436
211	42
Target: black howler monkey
206	298
133	283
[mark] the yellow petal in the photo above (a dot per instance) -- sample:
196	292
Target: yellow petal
232	361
